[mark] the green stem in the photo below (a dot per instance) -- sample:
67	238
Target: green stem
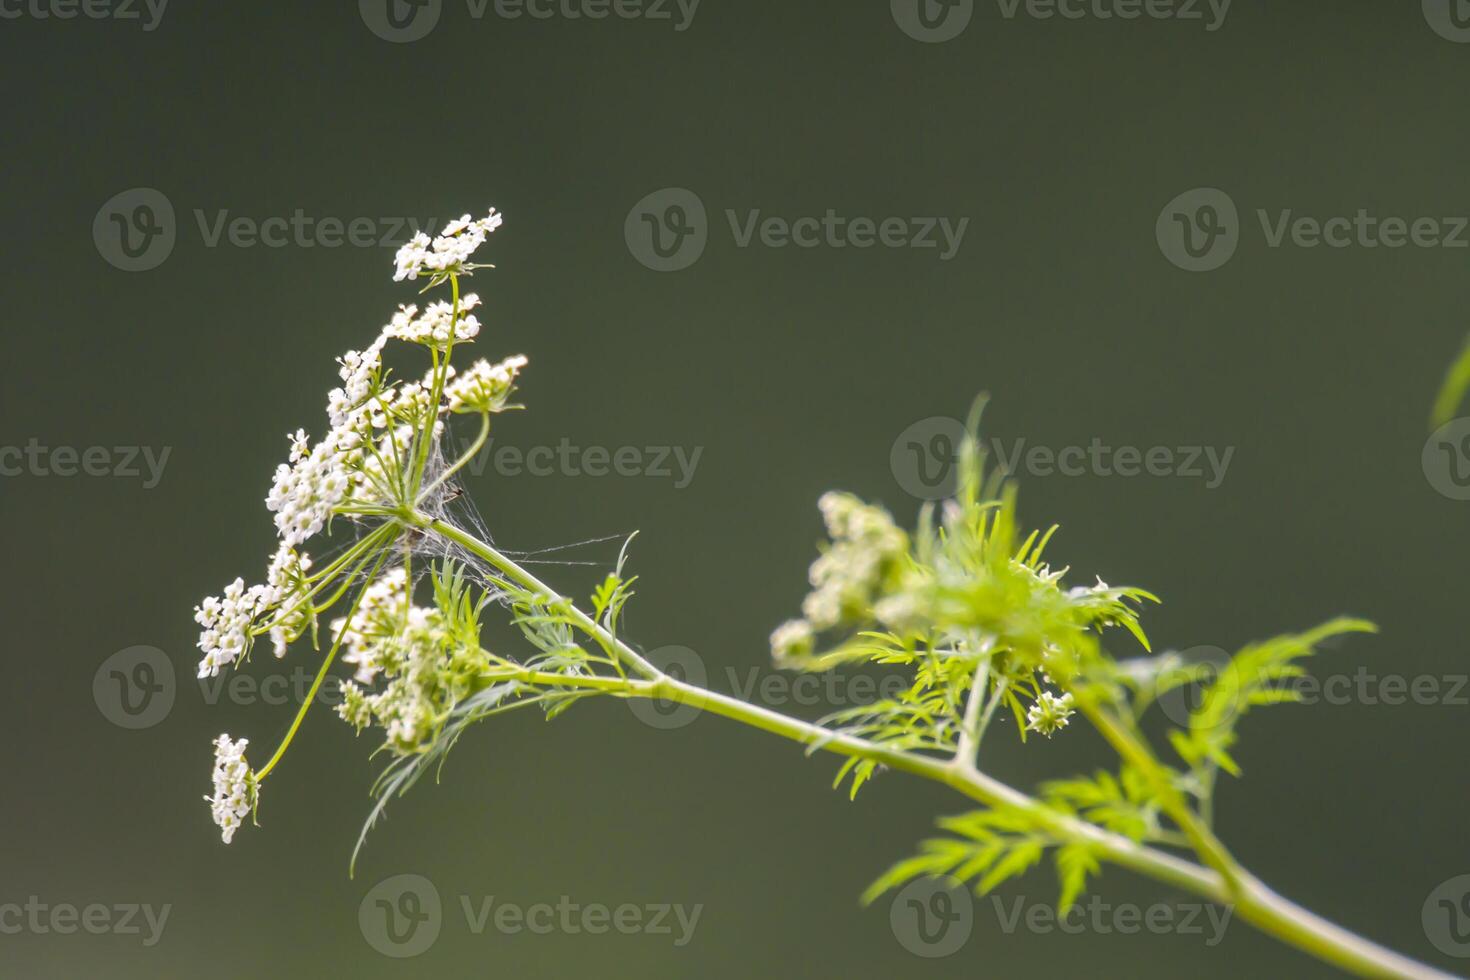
459	463
964	753
1253	900
996	697
531	583
321	675
436	391
1131	748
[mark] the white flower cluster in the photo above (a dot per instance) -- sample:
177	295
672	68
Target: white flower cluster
379	613
359	371
793	638
229	620
234	787
424	669
433	326
366	460
341	468
848	576
485	387
290	594
1049	714
318	479
305	493
449	252
865	541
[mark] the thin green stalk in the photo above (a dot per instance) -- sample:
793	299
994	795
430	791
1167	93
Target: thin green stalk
441	370
1228	884
527	581
1132	750
321	675
459	463
996	697
323	579
964	753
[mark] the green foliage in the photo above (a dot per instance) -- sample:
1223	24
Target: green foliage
1452	390
966	604
614	592
971	611
501	685
1259	674
1125	804
990	847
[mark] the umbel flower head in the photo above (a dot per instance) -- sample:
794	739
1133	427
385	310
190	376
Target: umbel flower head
234	785
437	323
1049	714
447	254
377	461
485	387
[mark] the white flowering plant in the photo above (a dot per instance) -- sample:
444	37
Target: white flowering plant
965	606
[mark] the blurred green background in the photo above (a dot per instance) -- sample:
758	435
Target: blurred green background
794	370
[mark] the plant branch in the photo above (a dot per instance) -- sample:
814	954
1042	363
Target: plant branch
1224	881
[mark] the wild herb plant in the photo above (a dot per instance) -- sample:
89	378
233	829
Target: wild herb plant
966	607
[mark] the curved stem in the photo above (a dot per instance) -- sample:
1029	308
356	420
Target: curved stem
1134	752
469	454
1228	884
1255	902
526	580
321	675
